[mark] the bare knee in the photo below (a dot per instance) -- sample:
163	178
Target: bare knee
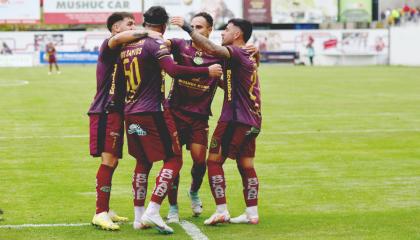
109	160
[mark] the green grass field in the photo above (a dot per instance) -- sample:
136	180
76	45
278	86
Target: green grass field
338	157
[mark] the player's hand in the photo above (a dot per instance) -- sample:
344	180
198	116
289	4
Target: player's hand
178	21
251	48
154	34
215	70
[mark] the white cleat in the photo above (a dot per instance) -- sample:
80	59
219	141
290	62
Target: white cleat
244	218
49	73
173	216
115	218
139	225
196	204
218	218
102	220
157	222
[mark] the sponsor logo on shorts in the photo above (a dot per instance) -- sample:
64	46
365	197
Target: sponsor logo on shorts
106	189
136	129
253	130
214	143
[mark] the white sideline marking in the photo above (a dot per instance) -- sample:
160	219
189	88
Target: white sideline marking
45	225
266	132
13	83
341	131
192	230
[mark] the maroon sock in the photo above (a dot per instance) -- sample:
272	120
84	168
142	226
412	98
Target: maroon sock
173	192
197	173
141	173
103	188
166	177
250	186
217	181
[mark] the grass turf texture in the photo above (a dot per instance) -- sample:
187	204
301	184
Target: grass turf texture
338	157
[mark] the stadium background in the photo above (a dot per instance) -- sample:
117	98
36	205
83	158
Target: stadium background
338	157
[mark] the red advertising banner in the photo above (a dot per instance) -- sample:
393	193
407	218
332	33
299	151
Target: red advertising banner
87	11
257	11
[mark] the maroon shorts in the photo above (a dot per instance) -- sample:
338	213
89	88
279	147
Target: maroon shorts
152	136
106	134
235	139
52	59
192	128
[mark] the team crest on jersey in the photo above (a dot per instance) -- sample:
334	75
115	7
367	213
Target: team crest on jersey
214	143
136	129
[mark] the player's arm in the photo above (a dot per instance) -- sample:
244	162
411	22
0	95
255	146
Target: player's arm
254	51
131	35
201	41
178	71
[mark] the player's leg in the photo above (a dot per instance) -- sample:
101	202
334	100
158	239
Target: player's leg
250	185
216	174
250	182
164	144
164	180
106	140
50	67
140	180
56	67
198	170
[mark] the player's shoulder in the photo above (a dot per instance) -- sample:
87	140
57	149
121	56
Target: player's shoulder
237	52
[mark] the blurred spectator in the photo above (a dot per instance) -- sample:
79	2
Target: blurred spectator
5	49
310	50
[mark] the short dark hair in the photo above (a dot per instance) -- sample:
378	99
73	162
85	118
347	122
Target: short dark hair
115	17
208	17
155	15
244	25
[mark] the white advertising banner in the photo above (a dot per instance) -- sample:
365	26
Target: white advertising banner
304	11
20	11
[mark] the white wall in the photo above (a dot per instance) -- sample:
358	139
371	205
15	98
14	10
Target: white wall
405	46
351	47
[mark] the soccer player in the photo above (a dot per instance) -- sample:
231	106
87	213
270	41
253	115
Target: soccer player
50	50
189	102
151	133
240	120
105	114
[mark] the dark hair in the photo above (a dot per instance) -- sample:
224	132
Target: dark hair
244	25
155	15
116	17
208	17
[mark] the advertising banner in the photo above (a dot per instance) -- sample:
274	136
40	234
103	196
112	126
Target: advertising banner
19	11
304	11
88	11
257	11
220	10
355	10
72	57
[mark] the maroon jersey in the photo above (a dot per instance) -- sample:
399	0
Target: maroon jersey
105	78
144	64
192	94
242	100
50	50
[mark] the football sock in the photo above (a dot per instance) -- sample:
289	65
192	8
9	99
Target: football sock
141	173
103	188
217	181
166	177
173	192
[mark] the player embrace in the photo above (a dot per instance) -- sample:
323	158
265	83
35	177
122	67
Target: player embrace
240	120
